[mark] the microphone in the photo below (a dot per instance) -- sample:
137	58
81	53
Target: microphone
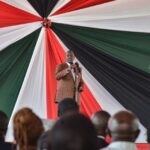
77	64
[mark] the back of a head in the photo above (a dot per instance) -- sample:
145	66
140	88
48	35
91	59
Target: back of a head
73	132
27	128
67	105
124	126
44	140
100	121
3	124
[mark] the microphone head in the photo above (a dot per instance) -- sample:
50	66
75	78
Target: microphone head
77	64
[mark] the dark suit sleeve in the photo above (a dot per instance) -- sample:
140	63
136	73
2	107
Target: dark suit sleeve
61	72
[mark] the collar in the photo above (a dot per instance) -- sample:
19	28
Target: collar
123	145
101	137
68	64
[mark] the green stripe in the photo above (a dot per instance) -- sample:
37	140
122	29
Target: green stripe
130	47
14	61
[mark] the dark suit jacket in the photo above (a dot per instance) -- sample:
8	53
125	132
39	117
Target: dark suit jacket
66	84
101	143
5	146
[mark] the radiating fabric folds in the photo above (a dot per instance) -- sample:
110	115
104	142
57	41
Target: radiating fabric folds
110	39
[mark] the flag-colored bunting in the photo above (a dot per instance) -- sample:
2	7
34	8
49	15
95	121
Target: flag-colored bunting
10	15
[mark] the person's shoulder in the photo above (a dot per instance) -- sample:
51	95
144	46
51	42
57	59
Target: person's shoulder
5	145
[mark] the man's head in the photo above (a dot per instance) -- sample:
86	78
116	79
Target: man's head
3	124
124	126
70	56
100	121
67	105
73	132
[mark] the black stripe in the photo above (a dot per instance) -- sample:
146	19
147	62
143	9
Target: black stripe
43	7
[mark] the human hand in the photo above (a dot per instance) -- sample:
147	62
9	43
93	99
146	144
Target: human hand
68	69
81	89
73	66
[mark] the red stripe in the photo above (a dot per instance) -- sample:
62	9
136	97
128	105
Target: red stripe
79	4
143	146
89	104
10	15
55	54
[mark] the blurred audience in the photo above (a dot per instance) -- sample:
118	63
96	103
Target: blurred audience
124	129
27	129
73	132
66	106
100	121
3	129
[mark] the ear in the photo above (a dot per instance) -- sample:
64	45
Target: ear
108	132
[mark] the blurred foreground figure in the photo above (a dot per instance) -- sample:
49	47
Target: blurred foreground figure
124	129
100	121
3	129
67	105
27	129
73	132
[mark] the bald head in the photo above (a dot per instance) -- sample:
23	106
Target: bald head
124	126
100	121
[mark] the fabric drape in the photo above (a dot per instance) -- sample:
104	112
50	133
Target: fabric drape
43	7
10	15
127	84
129	47
13	66
75	5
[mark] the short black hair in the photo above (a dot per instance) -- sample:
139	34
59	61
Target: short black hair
67	105
3	123
73	132
100	121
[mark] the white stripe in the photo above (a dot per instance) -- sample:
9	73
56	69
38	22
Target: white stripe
111	10
33	90
11	34
59	5
103	97
22	4
128	15
133	24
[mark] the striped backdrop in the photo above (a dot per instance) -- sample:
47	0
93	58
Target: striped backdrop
111	41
